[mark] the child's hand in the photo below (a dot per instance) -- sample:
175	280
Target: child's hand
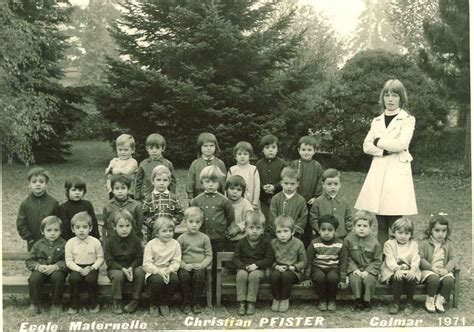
357	273
409	274
342	285
50	269
364	274
232	231
85	271
41	269
197	266
256	207
311	201
188	267
128	273
307	283
166	278
292	268
281	268
404	266
443	271
251	267
399	274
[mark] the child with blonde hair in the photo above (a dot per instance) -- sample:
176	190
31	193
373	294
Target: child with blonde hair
235	189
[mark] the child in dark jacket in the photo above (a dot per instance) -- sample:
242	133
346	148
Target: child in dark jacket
252	255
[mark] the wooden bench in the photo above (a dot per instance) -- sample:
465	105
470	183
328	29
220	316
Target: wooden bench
226	285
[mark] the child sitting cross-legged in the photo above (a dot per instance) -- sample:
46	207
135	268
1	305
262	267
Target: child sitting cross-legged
124	255
84	256
161	260
196	257
327	263
252	255
290	261
46	263
364	260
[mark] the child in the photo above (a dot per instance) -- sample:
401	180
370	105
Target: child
207	148
155	146
243	151
37	206
401	268
289	202
364	260
161	260
46	263
120	184
235	188
438	260
327	263
253	254
269	169
290	261
196	257
311	174
124	164
124	256
161	202
330	202
75	190
84	256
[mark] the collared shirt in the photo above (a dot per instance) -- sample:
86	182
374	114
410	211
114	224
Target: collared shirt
295	207
129	204
336	206
143	184
162	204
364	253
83	252
44	252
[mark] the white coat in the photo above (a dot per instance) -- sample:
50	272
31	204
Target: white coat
388	188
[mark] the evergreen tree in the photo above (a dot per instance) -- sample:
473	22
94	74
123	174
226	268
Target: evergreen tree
37	110
193	66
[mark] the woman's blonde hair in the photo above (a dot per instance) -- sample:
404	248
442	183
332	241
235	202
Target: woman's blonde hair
397	87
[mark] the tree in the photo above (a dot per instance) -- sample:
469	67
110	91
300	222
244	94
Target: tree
447	57
37	110
193	66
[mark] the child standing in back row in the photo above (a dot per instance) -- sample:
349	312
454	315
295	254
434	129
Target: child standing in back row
207	149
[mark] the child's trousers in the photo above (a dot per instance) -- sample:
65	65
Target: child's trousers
281	282
160	292
247	284
36	281
325	283
118	279
363	288
399	286
435	285
90	283
192	284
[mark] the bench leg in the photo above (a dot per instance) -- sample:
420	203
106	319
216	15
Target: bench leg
218	288
209	289
457	288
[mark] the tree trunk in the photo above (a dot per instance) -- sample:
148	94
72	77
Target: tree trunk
467	145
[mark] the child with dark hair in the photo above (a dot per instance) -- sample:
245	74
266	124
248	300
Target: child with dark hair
75	190
46	263
269	168
327	263
235	189
120	184
207	151
37	206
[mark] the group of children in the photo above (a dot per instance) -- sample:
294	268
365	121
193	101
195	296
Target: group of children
284	220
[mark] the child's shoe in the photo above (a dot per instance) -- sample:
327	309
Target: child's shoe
95	309
275	305
196	309
394	308
117	307
251	308
323	305
72	311
408	309
34	309
359	305
242	308
284	305
439	303
332	305
164	310
430	304
56	309
131	306
154	311
186	309
366	305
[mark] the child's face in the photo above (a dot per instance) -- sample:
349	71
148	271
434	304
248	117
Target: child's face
52	232
76	194
242	157
306	151
362	227
270	151
283	234
439	232
124	151
289	185
209	185
402	235
154	151
165	234
391	100
234	193
193	223
123	227
81	229
161	182
331	186
208	149
327	231
120	191
38	184
254	231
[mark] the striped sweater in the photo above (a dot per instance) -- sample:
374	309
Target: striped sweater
327	255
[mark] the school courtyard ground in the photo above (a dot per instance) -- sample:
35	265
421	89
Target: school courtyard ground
435	193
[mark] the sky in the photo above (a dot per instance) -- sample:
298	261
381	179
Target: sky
343	14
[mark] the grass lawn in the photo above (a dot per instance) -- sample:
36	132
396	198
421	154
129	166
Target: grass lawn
451	195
